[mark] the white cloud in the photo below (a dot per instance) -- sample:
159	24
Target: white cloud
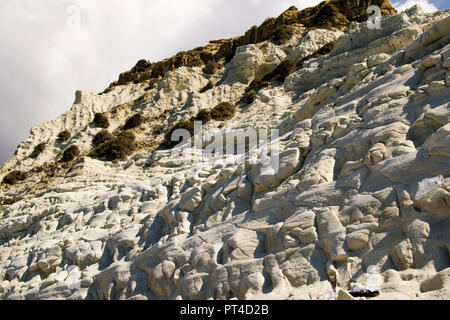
426	5
43	62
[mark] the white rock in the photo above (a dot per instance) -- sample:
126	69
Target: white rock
359	128
253	61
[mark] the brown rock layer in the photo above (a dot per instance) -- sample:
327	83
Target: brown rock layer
332	14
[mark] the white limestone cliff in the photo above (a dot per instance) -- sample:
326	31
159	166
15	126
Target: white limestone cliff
360	128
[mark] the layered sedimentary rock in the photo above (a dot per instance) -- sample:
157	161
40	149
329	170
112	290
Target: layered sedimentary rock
331	15
361	197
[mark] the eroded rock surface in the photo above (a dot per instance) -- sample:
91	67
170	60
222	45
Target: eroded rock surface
360	127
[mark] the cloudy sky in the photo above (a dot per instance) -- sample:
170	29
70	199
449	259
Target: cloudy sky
50	48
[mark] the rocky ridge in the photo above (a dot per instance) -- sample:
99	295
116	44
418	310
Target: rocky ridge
330	15
363	124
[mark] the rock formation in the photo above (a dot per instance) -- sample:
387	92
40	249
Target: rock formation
361	198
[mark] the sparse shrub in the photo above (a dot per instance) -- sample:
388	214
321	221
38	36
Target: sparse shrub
101	120
11	201
38	150
250	96
327	11
281	72
329	16
70	153
203	115
223	111
133	122
14	177
283	34
118	148
208	86
195	62
157	130
141	66
101	137
324	50
127	135
320	52
211	67
64	135
252	90
189	126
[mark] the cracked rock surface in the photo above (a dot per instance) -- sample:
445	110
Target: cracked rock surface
360	128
